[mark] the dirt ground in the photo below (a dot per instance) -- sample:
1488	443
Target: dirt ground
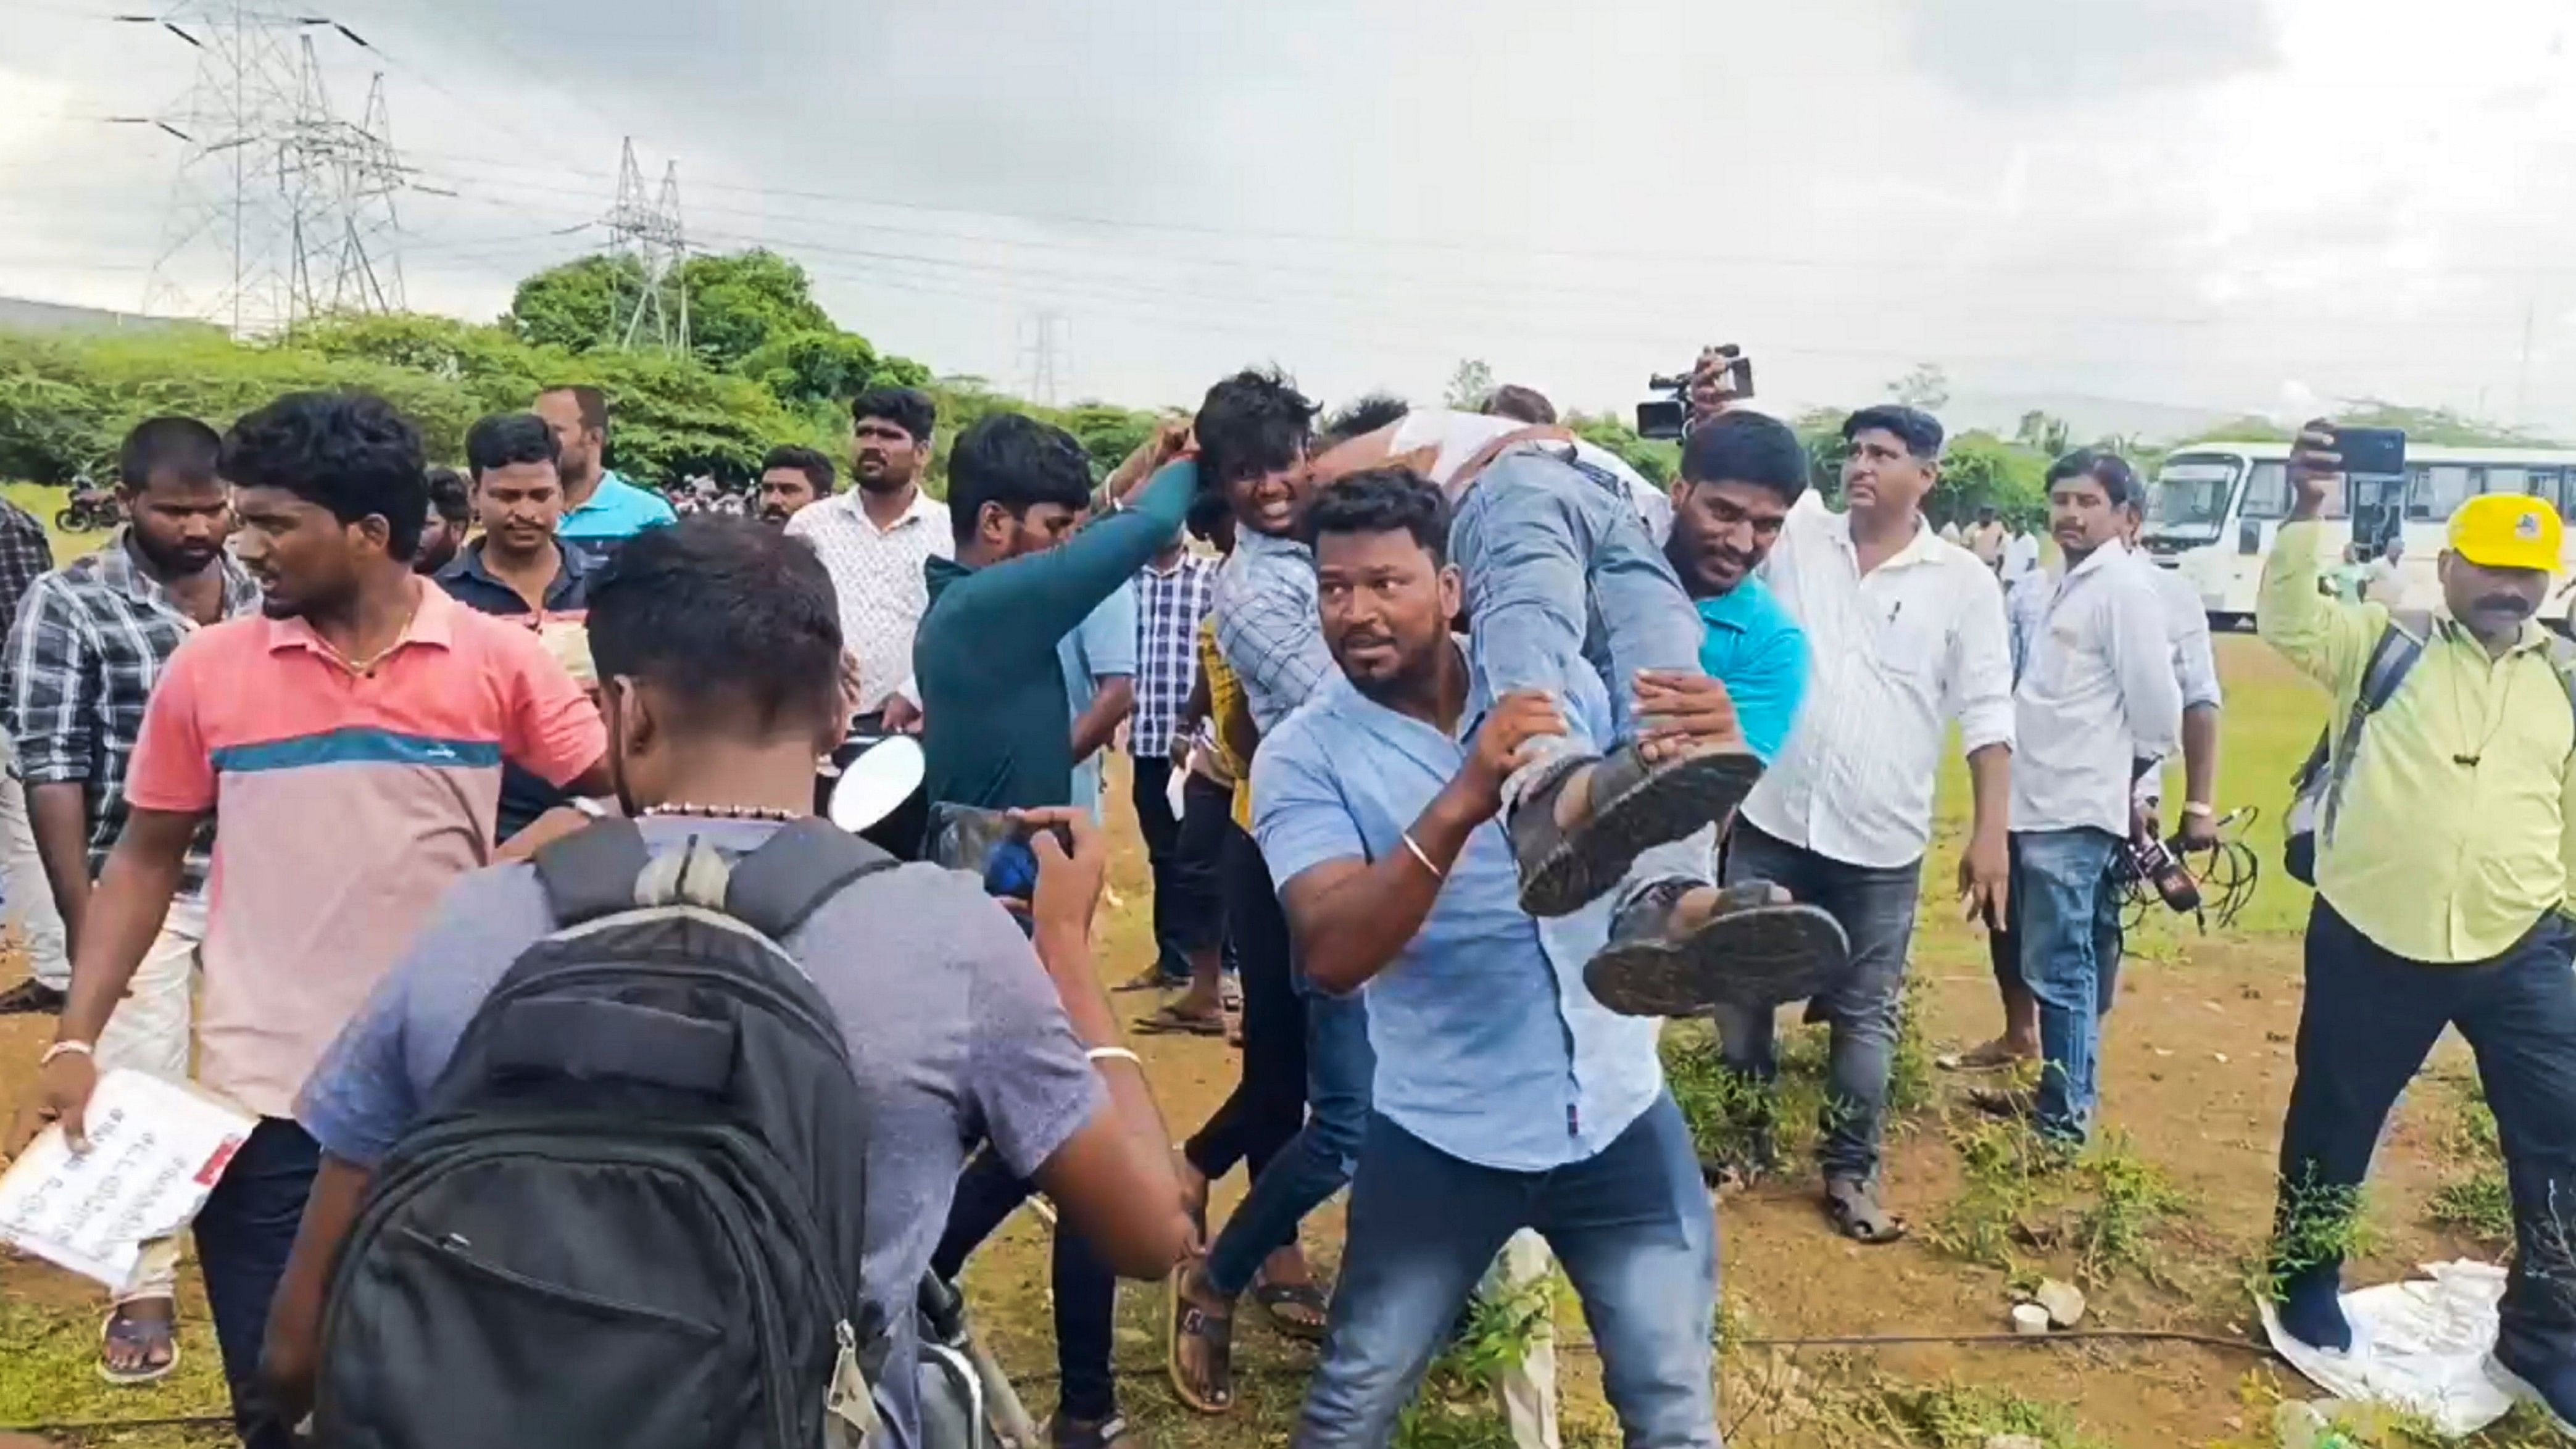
2197	1073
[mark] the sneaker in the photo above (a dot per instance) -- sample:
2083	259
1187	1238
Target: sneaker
1744	945
31	997
1634	807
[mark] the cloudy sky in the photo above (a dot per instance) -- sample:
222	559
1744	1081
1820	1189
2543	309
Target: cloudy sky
2233	205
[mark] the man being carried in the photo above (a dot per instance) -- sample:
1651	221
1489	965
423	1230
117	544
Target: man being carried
720	644
1563	578
1506	1095
2443	867
90	642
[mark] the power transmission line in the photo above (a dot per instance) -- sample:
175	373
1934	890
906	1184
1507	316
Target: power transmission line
650	234
298	202
1049	333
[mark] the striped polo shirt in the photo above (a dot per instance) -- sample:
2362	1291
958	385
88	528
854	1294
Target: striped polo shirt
350	798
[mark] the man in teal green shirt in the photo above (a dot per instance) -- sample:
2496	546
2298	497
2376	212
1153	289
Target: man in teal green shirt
993	702
997	731
1734	490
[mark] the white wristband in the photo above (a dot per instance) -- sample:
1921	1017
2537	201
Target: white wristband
67	1049
2199	811
1115	1054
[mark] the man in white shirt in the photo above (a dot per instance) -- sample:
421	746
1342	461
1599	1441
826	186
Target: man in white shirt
1905	634
873	539
2195	668
2094	703
2383	581
2021	556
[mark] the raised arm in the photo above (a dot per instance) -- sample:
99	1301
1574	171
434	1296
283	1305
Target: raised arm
1061	586
2325	638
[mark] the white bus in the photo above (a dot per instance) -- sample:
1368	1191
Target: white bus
2214	508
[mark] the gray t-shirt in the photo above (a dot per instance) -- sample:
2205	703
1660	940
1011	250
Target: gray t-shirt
955	1031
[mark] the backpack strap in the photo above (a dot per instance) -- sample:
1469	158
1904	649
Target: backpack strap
591	872
2400	645
794	872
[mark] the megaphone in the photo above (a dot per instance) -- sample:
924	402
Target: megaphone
878	774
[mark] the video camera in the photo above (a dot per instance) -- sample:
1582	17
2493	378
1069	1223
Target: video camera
1669	416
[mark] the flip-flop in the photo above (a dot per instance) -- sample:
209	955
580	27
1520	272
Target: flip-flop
1166	1021
1635	807
1744	955
1991	1057
1184	1319
1275	1297
140	1333
1852	1206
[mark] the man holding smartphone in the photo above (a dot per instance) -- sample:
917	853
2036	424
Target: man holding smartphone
2443	873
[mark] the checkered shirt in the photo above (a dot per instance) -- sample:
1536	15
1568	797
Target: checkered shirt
90	641
1169	607
1267	624
25	552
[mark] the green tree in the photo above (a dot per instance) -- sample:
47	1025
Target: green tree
1979	469
1821	429
1469	385
576	306
1657	460
738	303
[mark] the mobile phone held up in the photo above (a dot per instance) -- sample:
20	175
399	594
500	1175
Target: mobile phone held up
989	845
2372	452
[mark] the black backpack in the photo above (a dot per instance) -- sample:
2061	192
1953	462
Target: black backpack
632	1212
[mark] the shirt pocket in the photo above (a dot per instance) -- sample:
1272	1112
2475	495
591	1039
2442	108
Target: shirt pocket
1908	650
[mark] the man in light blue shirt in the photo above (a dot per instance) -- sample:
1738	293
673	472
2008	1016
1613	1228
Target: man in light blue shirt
1099	662
601	509
1506	1095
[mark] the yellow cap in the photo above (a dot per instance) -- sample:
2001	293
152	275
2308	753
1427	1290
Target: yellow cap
2507	531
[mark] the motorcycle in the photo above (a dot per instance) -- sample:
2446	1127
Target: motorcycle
91	510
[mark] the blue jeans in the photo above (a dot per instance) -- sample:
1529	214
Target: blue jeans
243	1236
2066	919
1317	1162
1561	577
1876	908
1632	1226
2367	1022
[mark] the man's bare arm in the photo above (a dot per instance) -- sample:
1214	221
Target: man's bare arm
59	814
1098	723
292	1354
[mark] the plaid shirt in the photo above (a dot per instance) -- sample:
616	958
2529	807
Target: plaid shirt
1267	624
90	641
25	552
1169	607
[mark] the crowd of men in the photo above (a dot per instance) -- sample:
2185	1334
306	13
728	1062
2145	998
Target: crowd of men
1464	756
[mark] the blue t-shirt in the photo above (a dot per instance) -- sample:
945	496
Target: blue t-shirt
1105	646
1755	649
615	512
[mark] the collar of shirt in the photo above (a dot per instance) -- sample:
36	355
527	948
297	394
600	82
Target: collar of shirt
1489	1046
572	570
119	569
433	625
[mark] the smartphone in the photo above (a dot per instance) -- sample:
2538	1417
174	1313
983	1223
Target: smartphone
2372	452
989	845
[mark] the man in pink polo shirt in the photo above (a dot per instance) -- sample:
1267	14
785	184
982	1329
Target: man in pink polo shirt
352	736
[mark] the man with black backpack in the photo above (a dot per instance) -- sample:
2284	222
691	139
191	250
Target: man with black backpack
649	1142
2442	860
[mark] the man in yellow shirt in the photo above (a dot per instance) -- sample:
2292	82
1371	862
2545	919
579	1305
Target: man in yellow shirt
2442	882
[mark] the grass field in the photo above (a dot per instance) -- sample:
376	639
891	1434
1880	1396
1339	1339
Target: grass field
2159	1224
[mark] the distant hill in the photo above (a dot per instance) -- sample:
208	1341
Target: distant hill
19	314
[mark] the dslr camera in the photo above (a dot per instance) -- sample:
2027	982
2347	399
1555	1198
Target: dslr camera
1729	376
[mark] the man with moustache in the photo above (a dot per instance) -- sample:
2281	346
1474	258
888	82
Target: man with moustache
1506	1095
874	540
90	641
2442	869
601	508
792	479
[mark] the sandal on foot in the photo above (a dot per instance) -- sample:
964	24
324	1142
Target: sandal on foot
1109	1433
1994	1056
1852	1206
152	1337
1635	807
1752	950
1184	1320
1280	1300
1172	1021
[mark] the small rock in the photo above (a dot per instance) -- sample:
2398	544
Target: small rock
2276	1036
2013	1441
2064	1302
2219	1057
